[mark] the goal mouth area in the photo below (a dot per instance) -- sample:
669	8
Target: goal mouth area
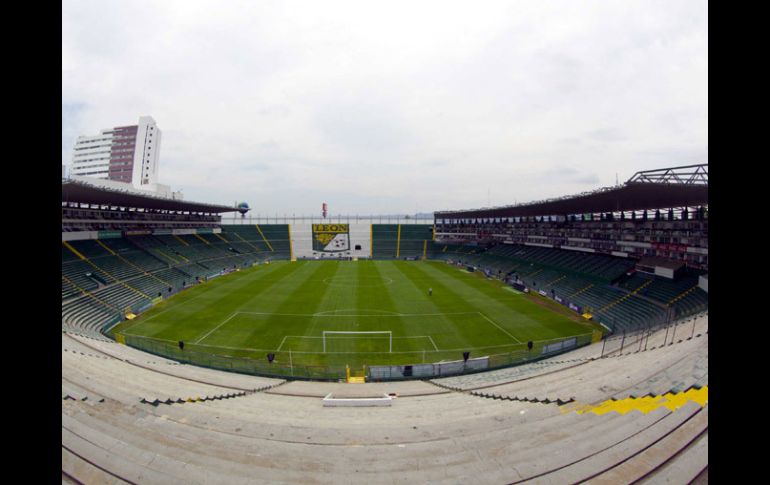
350	334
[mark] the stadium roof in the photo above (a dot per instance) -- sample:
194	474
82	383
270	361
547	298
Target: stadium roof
83	193
652	189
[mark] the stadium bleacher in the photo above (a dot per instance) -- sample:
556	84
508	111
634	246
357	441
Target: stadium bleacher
414	240
401	241
177	422
585	279
631	407
270	240
129	272
384	241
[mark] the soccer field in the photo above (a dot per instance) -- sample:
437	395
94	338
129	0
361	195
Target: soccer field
285	307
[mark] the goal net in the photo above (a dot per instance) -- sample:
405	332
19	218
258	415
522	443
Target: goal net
334	340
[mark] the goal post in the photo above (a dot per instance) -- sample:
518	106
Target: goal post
338	332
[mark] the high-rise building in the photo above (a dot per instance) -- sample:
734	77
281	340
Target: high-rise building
126	154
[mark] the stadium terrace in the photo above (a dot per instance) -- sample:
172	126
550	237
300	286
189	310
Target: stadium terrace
562	340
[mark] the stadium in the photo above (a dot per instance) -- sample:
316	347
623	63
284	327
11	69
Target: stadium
554	341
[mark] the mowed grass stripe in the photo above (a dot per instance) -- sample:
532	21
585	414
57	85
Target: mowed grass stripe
253	293
484	294
268	331
223	303
211	292
187	316
341	298
521	317
337	290
406	295
411	299
291	295
321	297
379	297
422	316
481	325
183	300
455	329
250	313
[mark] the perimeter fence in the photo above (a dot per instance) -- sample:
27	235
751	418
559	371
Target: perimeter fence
383	366
375	365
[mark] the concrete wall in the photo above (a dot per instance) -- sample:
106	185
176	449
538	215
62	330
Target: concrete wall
79	235
254	218
664	272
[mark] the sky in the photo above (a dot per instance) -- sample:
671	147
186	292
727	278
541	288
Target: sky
393	107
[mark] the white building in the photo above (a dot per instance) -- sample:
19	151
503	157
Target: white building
127	154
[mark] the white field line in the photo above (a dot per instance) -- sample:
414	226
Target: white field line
306	352
331	337
394	338
361	315
171	308
215	328
350	284
149	338
334	312
434	343
167	309
282	341
321	316
501	328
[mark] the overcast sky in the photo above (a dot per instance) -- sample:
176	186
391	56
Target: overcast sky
392	107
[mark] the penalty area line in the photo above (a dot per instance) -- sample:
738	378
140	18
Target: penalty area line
332	338
282	341
215	328
431	341
501	328
149	338
348	315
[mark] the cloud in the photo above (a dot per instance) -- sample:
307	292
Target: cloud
606	135
392	107
70	118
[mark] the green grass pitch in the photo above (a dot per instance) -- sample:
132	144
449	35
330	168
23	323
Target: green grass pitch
284	307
